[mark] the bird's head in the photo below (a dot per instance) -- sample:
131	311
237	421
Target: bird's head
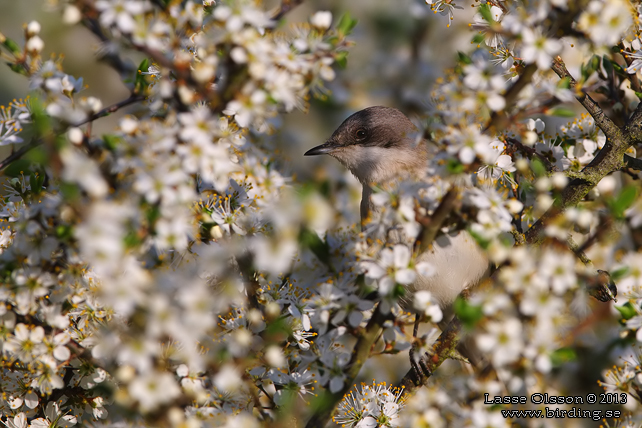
376	144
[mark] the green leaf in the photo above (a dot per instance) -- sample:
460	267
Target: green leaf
624	200
481	241
152	213
563	355
141	82
341	58
619	273
318	247
399	290
484	11
41	120
590	67
562	112
618	67
12	46
35	182
278	327
538	167
17	168
111	141
478	38
131	240
17	68
564	83
627	311
346	24
70	191
467	313
64	232
37	155
463	58
454	166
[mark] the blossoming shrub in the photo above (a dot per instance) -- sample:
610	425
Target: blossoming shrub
172	273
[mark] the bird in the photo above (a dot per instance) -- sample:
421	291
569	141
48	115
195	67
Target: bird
379	145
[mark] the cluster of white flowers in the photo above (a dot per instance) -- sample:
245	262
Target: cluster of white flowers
376	405
12	119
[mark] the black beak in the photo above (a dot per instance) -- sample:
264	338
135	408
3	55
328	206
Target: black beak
323	149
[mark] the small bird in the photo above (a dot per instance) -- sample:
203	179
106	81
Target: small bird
378	145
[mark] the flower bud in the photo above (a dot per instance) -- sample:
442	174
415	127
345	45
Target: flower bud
322	20
33	28
35	44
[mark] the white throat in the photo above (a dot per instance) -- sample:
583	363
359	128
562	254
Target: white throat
380	165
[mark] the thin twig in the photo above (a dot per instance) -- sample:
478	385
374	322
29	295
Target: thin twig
499	120
431	225
107	55
286	6
610	129
633	163
633	77
18	154
134	98
530	152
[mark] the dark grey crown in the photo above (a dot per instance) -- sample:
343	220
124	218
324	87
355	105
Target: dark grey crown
376	126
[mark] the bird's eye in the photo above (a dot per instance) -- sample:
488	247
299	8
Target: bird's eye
360	134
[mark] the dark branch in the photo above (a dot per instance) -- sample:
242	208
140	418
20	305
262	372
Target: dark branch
17	155
610	158
633	163
610	129
441	350
133	98
530	152
500	120
431	225
102	113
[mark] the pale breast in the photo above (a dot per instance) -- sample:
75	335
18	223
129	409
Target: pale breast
459	264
